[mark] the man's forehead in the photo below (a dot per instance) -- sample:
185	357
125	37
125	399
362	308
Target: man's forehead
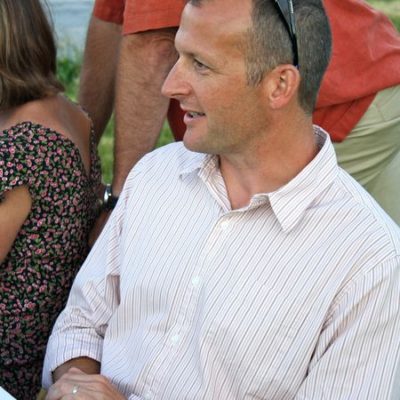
225	12
221	19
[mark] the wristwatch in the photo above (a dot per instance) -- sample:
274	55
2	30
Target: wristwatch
109	200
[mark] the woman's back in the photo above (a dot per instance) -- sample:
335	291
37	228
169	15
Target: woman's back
48	148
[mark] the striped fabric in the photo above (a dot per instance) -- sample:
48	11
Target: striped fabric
294	297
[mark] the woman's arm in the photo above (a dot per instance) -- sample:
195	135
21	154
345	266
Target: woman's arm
14	209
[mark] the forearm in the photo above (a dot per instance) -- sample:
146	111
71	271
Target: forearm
78	333
85	364
145	60
97	80
357	355
14	210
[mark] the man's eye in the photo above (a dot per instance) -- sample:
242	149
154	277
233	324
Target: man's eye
199	65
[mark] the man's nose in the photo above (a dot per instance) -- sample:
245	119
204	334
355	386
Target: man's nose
174	85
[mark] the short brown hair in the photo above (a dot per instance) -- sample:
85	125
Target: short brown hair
269	45
27	53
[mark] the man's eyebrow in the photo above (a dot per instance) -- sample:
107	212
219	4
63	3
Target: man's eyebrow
186	53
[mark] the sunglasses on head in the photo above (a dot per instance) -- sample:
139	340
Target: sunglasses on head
286	11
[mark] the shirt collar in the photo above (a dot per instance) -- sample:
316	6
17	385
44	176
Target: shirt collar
195	163
289	202
204	164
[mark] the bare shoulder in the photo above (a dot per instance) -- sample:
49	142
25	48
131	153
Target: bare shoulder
55	112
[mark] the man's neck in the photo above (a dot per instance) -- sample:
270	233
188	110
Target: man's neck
267	168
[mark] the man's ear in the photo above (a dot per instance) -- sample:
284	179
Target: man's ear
281	85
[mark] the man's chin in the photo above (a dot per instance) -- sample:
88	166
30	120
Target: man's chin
195	144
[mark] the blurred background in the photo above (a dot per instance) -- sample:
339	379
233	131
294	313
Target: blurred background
70	20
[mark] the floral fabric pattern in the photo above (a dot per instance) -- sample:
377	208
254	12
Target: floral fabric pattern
38	272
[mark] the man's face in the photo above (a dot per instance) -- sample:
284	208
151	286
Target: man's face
223	113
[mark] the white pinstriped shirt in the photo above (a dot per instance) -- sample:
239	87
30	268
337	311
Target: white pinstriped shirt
294	297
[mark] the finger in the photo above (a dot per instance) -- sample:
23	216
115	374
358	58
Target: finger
77	385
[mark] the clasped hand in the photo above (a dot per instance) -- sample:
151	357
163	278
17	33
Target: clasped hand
76	384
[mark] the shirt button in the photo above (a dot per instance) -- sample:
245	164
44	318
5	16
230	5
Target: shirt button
196	280
224	225
147	396
175	339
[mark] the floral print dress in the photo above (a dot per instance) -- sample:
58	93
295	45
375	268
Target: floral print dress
37	274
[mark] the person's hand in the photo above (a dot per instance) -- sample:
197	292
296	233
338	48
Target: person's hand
78	385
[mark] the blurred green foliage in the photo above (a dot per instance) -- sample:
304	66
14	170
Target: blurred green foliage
391	8
68	69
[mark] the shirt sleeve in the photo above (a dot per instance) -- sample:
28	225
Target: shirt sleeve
14	163
358	352
80	328
109	10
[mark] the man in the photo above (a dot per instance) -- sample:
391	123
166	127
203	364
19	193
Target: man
277	278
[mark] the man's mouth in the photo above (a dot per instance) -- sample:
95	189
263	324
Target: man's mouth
194	114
